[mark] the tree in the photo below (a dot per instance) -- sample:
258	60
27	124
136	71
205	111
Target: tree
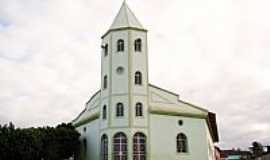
257	148
48	143
61	142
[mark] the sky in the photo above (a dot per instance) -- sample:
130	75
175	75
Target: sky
214	53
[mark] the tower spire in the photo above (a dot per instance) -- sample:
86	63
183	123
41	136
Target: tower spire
126	18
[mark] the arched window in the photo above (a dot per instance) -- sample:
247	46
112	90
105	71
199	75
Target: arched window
105	82
138	78
104	112
182	143
104	147
84	147
139	109
139	146
120	45
119	110
138	45
106	48
120	149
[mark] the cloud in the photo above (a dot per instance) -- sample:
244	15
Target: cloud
218	50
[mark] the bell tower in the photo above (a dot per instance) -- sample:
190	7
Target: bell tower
124	73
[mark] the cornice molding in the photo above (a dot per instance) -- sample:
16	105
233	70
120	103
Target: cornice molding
123	28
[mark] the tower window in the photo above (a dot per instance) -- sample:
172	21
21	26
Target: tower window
181	143
138	45
120	45
105	82
138	78
104	112
120	147
104	147
139	146
119	110
139	109
105	50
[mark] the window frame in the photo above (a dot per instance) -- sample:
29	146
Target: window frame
139	109
139	146
105	82
85	146
120	146
120	45
138	78
181	143
104	112
120	110
138	45
106	50
104	147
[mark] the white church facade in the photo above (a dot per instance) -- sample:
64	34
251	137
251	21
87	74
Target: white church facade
130	119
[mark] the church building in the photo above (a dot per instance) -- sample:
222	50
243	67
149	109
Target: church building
131	119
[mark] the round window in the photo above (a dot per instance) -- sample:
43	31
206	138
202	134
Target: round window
120	70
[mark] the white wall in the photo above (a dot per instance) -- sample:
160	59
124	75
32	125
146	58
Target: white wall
91	135
163	132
